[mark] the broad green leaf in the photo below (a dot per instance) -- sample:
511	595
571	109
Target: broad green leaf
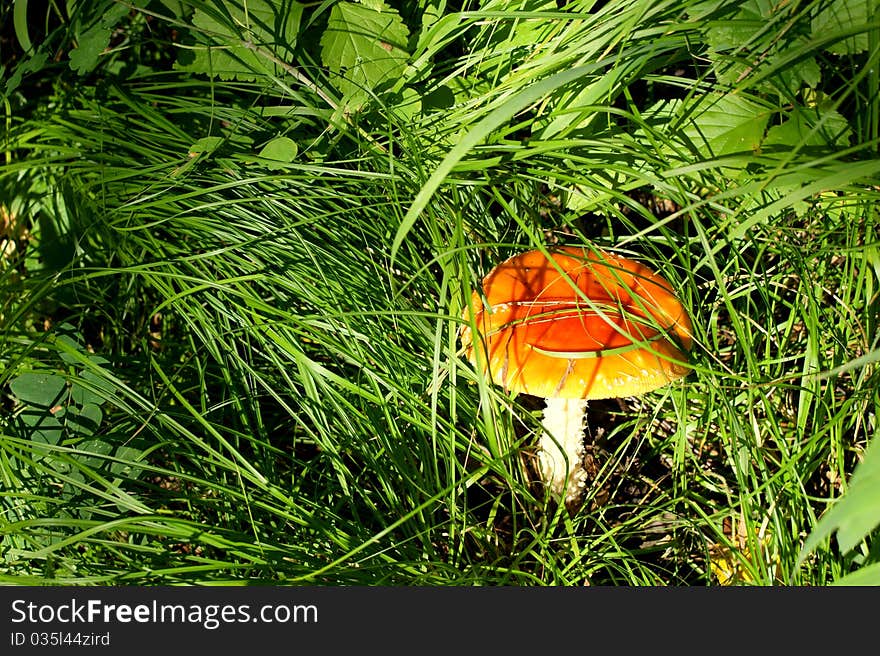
844	17
798	72
520	28
94	40
100	382
702	11
867	575
366	48
804	183
577	108
84	420
178	8
129	456
71	489
42	393
81	395
224	52
713	124
586	198
857	513
31	64
206	145
39	389
727	124
57	244
408	104
91	44
730	41
44	426
441	97
737	31
69	341
280	149
89	452
810	127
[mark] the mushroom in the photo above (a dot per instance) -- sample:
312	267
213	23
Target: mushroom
582	324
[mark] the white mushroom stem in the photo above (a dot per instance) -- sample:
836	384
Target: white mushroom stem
561	447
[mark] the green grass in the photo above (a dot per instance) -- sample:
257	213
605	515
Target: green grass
272	345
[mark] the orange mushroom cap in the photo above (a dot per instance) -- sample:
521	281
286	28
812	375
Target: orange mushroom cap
605	327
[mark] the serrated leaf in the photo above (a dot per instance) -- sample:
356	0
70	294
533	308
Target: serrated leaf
810	127
701	11
843	16
585	198
857	513
730	125
792	68
266	24
92	43
714	124
366	48
733	35
95	40
804	183
737	30
806	72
